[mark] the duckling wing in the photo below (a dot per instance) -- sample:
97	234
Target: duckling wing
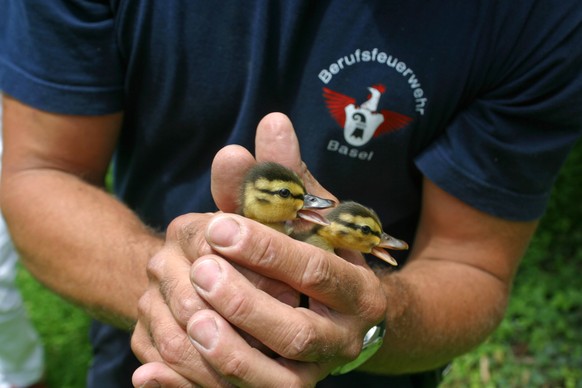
314	239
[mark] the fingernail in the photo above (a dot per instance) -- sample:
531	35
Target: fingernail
206	273
223	232
204	332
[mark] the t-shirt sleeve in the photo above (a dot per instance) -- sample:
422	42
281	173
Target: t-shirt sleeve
61	55
502	151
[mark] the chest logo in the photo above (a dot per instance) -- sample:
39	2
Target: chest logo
362	122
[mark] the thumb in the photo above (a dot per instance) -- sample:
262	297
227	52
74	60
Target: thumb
229	167
276	141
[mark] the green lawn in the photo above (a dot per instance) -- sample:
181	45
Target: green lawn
64	330
539	344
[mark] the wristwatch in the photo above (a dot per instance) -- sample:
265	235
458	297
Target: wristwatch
372	342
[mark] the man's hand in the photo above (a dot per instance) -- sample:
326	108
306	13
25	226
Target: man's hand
345	301
250	287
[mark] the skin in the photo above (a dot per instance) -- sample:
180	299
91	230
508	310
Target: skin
51	157
214	273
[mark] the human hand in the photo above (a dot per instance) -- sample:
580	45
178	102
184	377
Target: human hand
159	336
346	299
165	307
276	141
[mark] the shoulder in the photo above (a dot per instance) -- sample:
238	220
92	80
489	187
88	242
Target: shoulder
61	58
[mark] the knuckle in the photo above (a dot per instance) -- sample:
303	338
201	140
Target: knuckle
143	304
235	366
186	228
264	250
167	287
155	266
379	312
353	349
179	227
173	348
184	307
318	275
302	344
372	301
182	301
238	308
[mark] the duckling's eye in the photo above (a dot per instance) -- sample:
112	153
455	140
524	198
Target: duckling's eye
284	193
366	229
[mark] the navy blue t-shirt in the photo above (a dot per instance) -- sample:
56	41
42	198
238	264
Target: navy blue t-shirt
483	98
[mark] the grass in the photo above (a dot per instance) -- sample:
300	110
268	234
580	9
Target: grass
538	344
64	330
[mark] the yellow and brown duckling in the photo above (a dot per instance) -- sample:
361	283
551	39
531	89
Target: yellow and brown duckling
354	226
274	195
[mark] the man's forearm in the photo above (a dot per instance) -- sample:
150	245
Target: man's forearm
79	241
453	291
436	311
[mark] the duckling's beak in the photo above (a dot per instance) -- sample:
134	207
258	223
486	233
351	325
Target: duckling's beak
311	216
383	255
391	243
313	202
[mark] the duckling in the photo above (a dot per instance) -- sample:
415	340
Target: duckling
275	196
354	226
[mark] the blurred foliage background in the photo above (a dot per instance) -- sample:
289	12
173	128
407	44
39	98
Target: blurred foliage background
539	343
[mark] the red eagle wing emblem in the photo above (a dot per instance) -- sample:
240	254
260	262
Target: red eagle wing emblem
392	122
336	104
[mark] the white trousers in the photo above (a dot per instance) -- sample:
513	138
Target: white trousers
21	351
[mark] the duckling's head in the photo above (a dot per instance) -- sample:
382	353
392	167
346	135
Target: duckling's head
354	226
272	193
